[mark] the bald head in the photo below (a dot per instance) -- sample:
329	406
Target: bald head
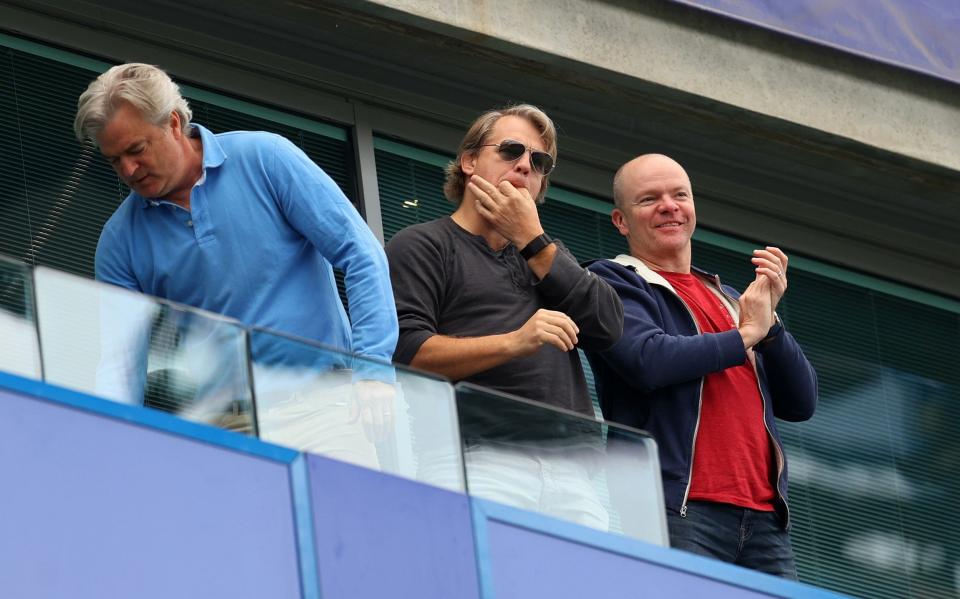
655	211
636	171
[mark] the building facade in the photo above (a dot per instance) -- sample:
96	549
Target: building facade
850	164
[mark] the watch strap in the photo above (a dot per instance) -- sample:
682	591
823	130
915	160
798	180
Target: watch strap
535	246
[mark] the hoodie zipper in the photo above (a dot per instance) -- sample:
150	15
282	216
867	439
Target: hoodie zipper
696	428
773	440
693	449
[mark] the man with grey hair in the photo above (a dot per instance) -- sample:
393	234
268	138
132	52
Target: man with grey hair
484	295
239	223
704	369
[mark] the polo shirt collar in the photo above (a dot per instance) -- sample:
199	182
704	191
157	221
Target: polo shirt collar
213	154
213	157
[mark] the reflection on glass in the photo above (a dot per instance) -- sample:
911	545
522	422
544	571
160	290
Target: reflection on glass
134	349
893	478
19	353
355	410
538	458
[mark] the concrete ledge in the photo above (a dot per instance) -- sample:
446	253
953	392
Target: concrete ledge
706	55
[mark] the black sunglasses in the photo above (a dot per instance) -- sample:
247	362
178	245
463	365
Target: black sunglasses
510	150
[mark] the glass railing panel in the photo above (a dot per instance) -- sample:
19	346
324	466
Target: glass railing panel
135	349
19	350
356	410
562	464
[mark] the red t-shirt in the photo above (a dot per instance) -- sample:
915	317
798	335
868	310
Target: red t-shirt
733	459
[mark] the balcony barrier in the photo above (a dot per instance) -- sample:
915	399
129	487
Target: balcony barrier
134	349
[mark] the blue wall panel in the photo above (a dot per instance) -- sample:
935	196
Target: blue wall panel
107	500
527	563
383	536
522	554
94	506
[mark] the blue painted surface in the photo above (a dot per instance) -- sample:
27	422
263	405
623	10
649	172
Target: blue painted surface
149	418
527	563
99	506
921	35
109	500
523	554
382	536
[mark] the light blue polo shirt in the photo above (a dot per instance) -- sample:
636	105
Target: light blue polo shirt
264	228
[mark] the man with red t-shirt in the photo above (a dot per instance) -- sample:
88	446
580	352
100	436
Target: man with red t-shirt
706	371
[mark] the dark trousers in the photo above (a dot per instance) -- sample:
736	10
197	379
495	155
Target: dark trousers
736	535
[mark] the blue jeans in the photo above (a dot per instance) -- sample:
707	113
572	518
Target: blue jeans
736	535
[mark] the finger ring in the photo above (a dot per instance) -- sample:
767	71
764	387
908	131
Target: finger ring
779	273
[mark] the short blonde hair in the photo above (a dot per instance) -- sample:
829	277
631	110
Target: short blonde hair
478	134
146	87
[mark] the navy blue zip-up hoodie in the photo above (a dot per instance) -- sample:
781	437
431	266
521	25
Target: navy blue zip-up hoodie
652	378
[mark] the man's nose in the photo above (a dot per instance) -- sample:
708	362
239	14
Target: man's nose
668	204
127	167
523	163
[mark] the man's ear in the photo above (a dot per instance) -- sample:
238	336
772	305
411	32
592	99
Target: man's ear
619	221
176	127
468	162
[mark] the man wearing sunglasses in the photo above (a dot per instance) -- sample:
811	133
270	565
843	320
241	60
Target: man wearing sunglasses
484	295
706	370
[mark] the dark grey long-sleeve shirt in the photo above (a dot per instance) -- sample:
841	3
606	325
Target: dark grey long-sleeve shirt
448	281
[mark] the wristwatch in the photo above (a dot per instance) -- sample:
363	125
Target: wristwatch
536	246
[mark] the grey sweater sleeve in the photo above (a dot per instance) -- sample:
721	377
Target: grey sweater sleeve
585	298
